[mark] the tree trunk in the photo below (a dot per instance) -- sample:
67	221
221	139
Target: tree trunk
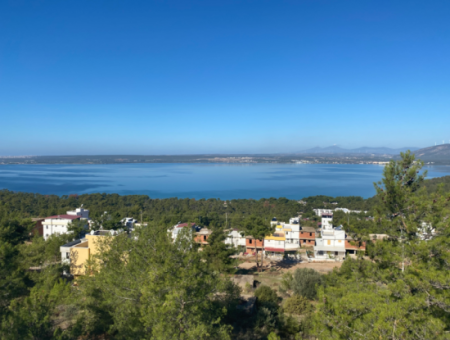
262	258
257	263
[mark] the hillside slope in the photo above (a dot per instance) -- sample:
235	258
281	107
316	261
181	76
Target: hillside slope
437	154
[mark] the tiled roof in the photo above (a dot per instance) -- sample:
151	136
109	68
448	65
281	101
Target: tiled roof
182	225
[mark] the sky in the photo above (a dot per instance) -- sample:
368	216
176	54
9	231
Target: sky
213	76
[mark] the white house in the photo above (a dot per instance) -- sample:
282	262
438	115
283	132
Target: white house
331	244
348	211
235	238
59	224
320	212
179	227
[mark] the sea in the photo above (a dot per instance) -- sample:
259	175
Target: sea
222	181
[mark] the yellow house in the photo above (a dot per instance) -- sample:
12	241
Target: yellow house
77	253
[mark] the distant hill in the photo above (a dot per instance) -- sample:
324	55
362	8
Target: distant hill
362	150
437	153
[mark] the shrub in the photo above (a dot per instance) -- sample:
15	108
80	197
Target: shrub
297	304
266	296
304	282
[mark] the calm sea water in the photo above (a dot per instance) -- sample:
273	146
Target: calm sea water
222	181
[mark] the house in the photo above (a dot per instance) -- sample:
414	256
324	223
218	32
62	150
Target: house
253	244
352	247
128	222
333	242
202	236
284	241
307	236
59	224
348	211
78	252
235	238
179	227
320	212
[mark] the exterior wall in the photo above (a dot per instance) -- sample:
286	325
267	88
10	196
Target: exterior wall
83	213
324	255
319	212
201	239
78	258
333	242
307	235
252	243
305	242
81	253
54	226
235	238
274	244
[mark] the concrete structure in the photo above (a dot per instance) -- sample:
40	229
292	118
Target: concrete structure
202	236
235	238
77	253
334	243
252	244
331	244
307	237
59	224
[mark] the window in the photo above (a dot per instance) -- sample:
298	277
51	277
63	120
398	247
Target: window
339	241
46	227
204	238
320	253
68	255
328	242
304	241
250	241
336	253
310	234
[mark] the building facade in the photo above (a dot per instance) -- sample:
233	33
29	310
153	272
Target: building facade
59	224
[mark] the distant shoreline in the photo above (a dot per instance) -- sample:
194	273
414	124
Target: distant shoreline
208	159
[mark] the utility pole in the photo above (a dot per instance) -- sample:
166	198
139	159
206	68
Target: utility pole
141	216
403	254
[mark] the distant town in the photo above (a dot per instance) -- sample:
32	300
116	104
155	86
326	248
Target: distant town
438	155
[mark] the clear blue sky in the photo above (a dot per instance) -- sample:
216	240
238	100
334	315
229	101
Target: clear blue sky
177	77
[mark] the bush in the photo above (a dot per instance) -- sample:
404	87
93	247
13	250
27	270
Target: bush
304	282
297	304
266	296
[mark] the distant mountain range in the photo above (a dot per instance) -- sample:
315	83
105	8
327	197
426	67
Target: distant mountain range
362	150
437	153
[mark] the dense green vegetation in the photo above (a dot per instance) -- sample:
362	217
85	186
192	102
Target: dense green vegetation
150	288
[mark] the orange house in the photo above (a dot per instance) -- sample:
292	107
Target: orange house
253	244
202	236
307	236
351	249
